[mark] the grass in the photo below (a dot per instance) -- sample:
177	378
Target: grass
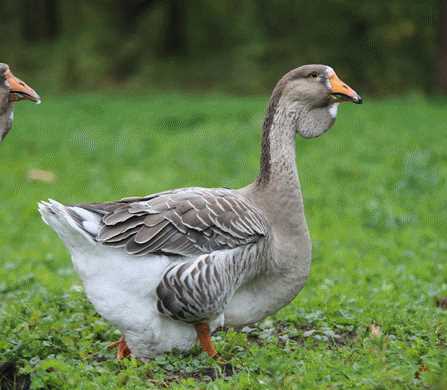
375	195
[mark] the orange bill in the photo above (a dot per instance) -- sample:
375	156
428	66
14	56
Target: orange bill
18	90
342	90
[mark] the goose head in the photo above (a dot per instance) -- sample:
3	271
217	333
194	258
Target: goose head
14	88
311	94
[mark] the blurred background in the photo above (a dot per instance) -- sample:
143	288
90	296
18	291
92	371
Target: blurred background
141	96
382	47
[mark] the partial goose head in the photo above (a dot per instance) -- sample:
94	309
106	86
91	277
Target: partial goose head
12	90
15	88
311	94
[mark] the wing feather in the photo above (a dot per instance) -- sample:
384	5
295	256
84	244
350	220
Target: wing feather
185	222
199	290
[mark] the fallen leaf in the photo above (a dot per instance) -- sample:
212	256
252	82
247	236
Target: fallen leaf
41	175
441	302
422	368
375	330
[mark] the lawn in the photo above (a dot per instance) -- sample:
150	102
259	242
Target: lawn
371	315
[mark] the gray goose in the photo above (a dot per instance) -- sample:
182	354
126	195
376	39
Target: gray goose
12	90
169	268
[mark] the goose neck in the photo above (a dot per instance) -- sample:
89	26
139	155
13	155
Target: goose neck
278	156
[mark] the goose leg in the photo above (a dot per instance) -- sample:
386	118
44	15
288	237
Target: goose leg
122	348
203	334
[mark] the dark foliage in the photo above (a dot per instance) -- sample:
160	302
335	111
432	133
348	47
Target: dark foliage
385	47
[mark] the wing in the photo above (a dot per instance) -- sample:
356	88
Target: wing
199	290
185	222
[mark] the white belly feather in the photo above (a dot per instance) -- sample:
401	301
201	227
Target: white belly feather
122	289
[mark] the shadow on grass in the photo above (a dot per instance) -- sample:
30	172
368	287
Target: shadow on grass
10	379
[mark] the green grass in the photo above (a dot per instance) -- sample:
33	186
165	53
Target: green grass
376	202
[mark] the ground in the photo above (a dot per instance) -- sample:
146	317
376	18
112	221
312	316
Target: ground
372	313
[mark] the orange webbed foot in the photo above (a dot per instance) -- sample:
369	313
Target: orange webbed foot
123	350
204	336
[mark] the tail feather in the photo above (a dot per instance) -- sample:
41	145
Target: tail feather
76	226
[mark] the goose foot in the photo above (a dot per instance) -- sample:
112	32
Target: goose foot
123	350
203	334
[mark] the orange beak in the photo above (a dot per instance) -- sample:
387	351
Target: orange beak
18	90
343	91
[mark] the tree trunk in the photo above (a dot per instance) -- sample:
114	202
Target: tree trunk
174	40
40	20
127	14
442	48
129	11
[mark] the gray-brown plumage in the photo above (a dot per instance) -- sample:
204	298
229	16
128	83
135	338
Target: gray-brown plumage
189	222
11	90
200	291
185	222
206	256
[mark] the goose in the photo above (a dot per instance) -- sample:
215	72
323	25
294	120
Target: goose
169	268
12	90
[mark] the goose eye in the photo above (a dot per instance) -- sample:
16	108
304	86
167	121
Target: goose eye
314	75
